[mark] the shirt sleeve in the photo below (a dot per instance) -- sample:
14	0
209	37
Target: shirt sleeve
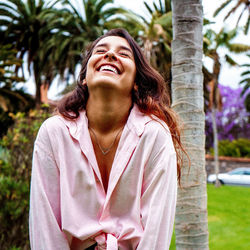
45	218
158	201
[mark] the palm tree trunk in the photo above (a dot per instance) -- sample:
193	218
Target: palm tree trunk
187	93
38	82
215	135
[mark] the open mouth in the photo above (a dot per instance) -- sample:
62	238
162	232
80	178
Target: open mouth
109	68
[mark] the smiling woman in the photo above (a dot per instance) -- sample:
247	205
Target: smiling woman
112	65
105	168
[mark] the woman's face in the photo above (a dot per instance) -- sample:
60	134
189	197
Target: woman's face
112	65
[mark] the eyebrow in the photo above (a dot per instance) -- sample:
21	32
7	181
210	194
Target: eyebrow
120	47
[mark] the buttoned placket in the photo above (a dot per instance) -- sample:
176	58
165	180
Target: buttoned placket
121	159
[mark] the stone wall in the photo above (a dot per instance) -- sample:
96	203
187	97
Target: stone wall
226	163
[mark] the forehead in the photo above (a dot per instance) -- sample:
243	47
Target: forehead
114	41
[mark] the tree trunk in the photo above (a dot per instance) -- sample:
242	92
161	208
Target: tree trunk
37	76
187	93
215	135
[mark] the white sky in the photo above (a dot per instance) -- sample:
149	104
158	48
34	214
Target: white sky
230	76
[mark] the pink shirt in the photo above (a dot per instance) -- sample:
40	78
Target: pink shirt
69	208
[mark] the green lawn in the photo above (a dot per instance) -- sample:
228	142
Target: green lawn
228	218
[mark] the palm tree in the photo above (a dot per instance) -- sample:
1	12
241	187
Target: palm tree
212	42
26	29
158	36
187	93
11	99
238	5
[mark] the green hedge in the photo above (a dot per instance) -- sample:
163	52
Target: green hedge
235	148
15	169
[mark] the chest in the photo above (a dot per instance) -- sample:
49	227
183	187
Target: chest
105	161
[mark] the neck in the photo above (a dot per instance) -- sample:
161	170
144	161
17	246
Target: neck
107	113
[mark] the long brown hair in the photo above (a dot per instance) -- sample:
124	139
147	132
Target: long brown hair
151	96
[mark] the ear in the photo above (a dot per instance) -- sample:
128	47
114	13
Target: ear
84	82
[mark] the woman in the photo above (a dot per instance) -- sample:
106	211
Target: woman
104	170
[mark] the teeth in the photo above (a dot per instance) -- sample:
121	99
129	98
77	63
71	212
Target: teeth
109	67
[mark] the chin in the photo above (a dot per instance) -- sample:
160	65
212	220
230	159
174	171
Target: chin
104	83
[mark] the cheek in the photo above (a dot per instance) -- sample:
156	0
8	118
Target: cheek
89	69
133	72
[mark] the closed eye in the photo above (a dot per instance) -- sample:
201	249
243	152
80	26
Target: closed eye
100	51
125	54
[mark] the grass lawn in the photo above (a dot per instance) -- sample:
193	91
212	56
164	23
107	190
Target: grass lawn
228	218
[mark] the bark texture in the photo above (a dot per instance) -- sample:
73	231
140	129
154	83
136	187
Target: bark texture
187	95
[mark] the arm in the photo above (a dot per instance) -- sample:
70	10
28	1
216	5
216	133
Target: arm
45	219
158	201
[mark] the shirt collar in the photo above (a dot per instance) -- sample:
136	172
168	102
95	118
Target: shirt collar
137	120
136	123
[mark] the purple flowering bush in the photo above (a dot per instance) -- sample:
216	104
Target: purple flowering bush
233	120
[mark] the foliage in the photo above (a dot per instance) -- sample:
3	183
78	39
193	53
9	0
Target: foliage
212	41
246	84
15	169
24	25
234	148
7	61
232	121
52	36
240	5
11	98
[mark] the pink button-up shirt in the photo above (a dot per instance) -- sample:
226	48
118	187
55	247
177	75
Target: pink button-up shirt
69	208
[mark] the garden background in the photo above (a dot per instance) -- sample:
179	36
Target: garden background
40	52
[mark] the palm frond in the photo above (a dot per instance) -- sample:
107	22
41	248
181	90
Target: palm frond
165	20
221	7
233	9
238	47
168	6
161	7
101	4
246	27
148	8
245	73
230	60
155	6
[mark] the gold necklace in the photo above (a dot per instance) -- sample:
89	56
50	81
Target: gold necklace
104	150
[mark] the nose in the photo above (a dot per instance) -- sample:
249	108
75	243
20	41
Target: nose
110	55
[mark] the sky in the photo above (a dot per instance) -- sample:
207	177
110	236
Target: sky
230	76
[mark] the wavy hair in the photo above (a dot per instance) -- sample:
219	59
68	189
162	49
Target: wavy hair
151	96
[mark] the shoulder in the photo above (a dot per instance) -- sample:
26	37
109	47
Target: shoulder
50	128
157	131
151	129
52	124
155	125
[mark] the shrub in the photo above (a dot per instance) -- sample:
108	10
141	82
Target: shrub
15	170
235	148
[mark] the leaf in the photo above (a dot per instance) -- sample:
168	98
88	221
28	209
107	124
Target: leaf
238	47
165	20
230	60
222	6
